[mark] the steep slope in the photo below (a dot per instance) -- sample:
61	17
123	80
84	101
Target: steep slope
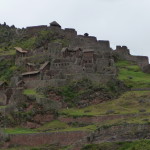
66	91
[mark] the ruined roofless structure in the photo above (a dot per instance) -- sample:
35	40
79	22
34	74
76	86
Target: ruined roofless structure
82	56
54	24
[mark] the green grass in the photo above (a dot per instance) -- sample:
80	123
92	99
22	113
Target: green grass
135	145
3	107
54	125
132	102
28	43
19	130
132	75
128	103
86	128
7	52
7	69
61	127
32	92
43	147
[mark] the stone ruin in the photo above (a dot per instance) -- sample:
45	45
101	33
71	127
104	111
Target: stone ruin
83	57
124	53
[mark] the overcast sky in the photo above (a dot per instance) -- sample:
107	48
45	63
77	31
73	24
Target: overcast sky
122	22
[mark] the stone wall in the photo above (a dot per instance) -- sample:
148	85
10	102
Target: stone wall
124	53
84	42
95	77
115	133
62	138
146	68
141	60
35	29
55	49
104	45
45	83
93	119
3	98
6	57
70	33
126	132
37	58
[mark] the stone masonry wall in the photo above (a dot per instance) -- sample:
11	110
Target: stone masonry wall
124	53
45	83
62	138
126	132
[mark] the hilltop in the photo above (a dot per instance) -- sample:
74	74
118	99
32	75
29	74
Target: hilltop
65	90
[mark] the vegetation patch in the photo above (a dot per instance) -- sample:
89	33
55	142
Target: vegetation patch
7	69
135	145
19	131
43	147
132	75
61	127
32	92
128	103
52	126
83	92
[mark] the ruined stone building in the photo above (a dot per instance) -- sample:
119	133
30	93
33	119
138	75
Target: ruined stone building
124	53
72	57
82	57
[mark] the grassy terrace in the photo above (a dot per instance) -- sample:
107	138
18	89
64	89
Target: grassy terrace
129	103
7	52
54	126
135	145
132	75
136	102
32	92
44	147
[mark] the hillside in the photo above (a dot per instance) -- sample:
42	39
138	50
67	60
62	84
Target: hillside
60	90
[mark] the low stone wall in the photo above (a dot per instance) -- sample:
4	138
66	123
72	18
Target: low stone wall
126	132
3	98
96	78
62	138
94	119
44	83
124	53
141	89
2	57
116	133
